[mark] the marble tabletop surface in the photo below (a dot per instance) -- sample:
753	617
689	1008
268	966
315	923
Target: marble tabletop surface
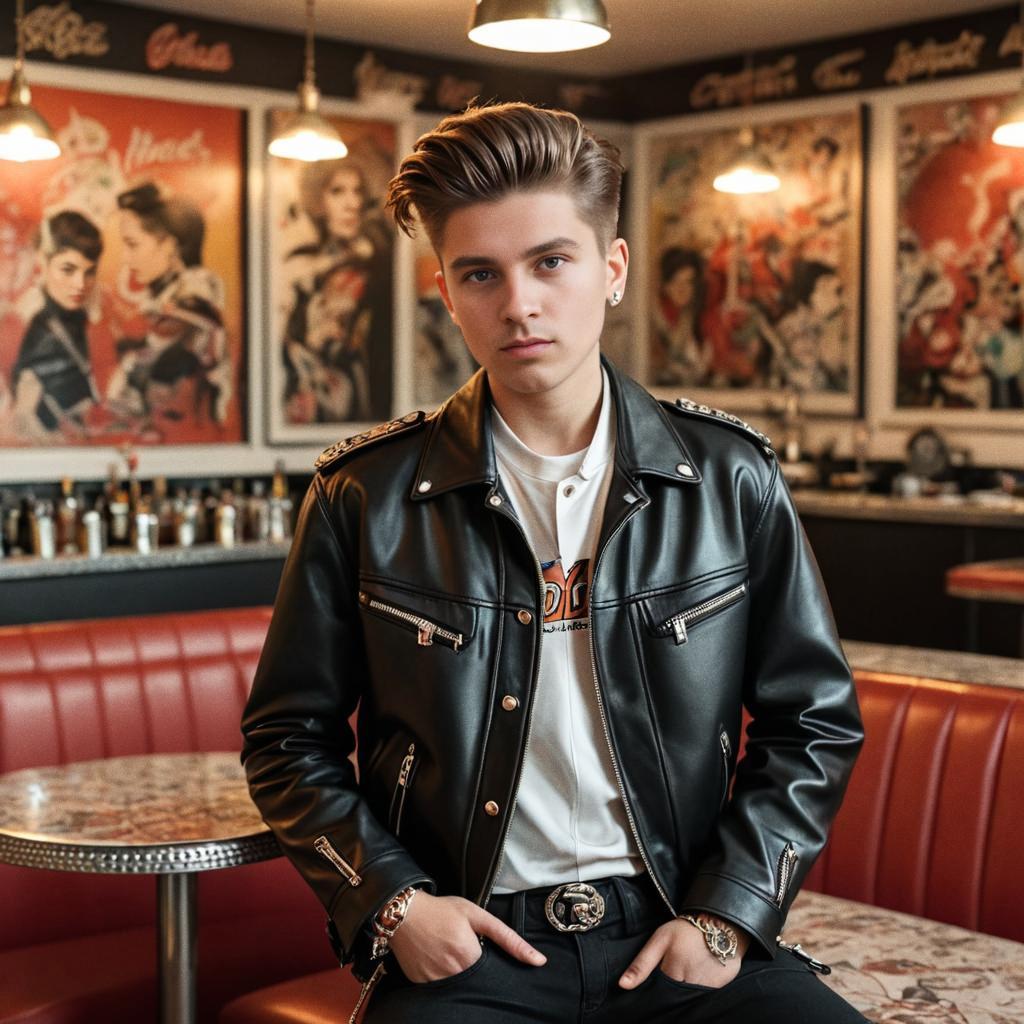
154	813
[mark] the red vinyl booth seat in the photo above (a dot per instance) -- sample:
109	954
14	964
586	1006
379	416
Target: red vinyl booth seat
81	948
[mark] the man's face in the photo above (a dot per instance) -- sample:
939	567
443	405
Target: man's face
526	282
68	278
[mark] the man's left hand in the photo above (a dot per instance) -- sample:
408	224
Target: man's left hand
679	949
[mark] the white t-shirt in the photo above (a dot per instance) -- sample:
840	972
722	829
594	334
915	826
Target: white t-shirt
569	822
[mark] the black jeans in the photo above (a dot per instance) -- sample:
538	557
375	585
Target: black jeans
579	982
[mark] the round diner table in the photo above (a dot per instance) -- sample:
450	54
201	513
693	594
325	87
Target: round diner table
168	815
1000	580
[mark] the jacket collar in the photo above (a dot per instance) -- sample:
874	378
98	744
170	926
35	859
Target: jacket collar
459	450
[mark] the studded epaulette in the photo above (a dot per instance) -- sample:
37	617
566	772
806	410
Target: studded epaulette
719	416
341	448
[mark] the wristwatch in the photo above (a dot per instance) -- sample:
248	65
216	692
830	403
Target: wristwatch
720	938
388	920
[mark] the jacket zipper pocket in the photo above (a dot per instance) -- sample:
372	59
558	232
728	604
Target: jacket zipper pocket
322	845
401	788
787	865
679	623
426	630
726	748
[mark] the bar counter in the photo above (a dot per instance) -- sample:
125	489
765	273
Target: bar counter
952	666
947	509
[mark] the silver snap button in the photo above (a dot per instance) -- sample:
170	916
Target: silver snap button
494	499
631	497
684	470
425	486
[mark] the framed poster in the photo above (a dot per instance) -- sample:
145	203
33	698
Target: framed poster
752	295
959	265
122	276
331	286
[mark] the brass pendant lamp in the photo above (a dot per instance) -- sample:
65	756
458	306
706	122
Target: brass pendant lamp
539	26
24	134
751	172
308	136
1009	130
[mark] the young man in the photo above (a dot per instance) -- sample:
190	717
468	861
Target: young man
52	378
551	600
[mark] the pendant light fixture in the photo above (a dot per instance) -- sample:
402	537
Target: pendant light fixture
1009	130
751	172
539	26
307	136
24	134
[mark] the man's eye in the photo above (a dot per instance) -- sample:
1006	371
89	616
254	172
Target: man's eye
552	262
478	276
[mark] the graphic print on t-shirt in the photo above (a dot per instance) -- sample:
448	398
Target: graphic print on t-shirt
566	596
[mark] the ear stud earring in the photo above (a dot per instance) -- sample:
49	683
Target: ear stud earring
616	298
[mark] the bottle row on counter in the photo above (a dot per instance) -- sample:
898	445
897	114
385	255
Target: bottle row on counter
129	516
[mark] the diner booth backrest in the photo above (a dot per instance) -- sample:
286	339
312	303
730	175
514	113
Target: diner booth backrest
74	691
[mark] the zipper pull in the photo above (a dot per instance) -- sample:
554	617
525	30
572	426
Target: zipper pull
403	775
425	636
679	630
322	845
726	745
815	965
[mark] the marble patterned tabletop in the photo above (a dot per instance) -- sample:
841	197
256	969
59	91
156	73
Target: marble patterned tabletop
147	814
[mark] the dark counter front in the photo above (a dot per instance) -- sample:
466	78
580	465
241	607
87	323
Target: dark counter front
128	583
884	563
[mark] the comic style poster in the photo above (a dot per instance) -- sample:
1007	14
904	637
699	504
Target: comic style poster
960	259
753	294
332	280
121	276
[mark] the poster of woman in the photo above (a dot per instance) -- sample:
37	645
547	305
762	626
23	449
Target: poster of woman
751	294
121	276
332	281
960	260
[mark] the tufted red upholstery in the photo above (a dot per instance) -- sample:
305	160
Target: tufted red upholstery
933	820
164	683
932	824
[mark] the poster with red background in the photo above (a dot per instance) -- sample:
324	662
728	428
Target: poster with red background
167	354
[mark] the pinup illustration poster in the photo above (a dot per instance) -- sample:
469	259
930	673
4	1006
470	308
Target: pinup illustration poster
331	274
753	294
121	276
960	260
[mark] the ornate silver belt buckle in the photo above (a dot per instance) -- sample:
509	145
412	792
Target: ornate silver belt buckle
574	907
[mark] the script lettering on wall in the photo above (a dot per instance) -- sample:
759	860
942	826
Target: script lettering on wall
377	83
838	72
167	47
932	58
63	32
770	81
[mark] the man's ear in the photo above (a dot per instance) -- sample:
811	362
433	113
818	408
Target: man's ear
442	287
617	265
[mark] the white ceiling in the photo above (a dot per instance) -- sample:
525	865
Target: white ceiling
645	33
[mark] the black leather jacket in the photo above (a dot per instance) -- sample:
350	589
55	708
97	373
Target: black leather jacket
411	590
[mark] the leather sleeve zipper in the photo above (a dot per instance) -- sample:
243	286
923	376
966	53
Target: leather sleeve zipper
427	631
679	623
787	864
323	846
401	788
726	748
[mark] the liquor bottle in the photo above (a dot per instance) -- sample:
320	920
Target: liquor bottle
118	523
258	513
68	513
280	505
163	508
44	530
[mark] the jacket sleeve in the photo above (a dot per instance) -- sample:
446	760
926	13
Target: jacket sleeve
802	741
298	742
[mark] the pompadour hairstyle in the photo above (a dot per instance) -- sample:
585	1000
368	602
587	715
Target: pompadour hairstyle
487	152
68	229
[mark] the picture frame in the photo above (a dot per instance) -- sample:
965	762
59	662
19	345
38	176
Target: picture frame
122	276
329	348
751	296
